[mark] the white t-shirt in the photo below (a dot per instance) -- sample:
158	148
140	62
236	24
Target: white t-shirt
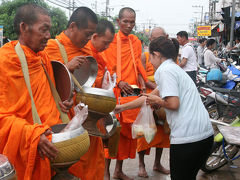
189	53
210	60
190	123
200	54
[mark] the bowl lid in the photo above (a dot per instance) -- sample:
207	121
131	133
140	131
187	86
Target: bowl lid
87	73
63	80
6	169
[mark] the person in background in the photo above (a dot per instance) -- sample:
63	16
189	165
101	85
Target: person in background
191	135
161	139
210	60
124	58
200	49
237	45
188	56
99	42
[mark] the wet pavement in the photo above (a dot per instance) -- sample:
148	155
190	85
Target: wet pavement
130	167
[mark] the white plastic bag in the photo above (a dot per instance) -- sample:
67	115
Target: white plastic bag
144	125
81	113
74	127
109	82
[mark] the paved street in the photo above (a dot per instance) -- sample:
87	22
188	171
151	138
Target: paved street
131	169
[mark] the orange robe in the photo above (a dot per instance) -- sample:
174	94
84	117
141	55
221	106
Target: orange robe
102	64
161	140
127	145
19	136
86	167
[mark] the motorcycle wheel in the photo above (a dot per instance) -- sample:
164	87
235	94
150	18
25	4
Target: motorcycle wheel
217	159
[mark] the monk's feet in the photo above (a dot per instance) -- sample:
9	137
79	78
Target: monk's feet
121	175
106	176
142	172
161	169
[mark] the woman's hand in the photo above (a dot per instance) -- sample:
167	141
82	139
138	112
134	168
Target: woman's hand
118	109
153	100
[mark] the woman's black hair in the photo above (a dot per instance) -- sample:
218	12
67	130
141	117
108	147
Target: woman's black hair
167	47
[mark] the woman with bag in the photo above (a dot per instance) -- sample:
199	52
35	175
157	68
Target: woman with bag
191	135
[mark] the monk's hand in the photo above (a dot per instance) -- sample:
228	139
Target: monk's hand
76	62
66	105
46	148
125	87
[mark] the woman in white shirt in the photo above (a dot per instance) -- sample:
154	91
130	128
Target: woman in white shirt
210	60
191	135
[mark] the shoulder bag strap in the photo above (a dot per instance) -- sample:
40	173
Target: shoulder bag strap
64	117
133	58
25	71
65	59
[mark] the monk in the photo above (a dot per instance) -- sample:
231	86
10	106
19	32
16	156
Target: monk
161	139
80	28
27	144
100	41
124	57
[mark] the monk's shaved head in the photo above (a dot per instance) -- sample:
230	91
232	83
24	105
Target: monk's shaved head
81	16
28	13
157	32
128	9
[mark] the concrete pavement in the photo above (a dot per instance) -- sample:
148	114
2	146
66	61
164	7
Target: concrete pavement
130	167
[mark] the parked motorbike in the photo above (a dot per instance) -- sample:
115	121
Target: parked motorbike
223	152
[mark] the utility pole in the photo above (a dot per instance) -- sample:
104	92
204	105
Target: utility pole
107	4
201	12
232	22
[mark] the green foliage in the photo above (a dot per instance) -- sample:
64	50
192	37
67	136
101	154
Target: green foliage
8	10
59	21
142	36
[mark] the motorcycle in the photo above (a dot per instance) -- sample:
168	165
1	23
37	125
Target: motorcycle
223	152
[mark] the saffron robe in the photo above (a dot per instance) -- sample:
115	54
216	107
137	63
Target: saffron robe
19	135
86	167
127	145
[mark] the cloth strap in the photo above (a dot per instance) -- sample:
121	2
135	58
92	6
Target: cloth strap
25	71
65	59
119	58
63	116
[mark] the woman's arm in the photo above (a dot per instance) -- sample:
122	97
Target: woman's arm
130	105
170	102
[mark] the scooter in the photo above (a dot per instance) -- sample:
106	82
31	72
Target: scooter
224	152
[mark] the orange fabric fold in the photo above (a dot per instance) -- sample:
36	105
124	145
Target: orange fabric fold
19	136
127	66
161	140
127	145
86	167
102	65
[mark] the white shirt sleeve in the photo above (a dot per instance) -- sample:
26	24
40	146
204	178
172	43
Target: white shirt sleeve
168	85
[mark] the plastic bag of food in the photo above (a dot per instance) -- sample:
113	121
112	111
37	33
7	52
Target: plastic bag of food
109	82
144	125
81	113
